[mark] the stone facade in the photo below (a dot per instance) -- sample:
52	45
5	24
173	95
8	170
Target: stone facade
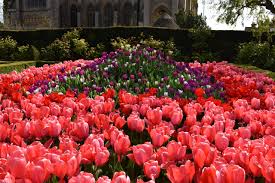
31	14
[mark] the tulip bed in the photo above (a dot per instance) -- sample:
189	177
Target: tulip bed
137	116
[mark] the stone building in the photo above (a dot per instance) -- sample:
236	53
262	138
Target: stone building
31	14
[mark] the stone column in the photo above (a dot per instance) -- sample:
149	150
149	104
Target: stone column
115	21
147	13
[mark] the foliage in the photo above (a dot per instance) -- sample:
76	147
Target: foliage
261	55
24	52
1	25
232	10
70	47
168	47
7	48
58	50
188	20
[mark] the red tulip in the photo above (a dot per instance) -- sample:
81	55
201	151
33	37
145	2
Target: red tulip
176	152
120	122
182	174
184	138
232	174
135	123
209	132
154	116
270	102
199	158
141	153
208	175
151	169
120	177
83	177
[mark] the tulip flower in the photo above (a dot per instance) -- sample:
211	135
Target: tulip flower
103	179
120	177
141	153
83	177
151	169
182	174
221	141
135	123
154	116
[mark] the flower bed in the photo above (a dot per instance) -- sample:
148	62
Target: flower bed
137	116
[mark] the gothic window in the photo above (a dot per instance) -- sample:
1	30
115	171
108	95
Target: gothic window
61	16
36	4
108	15
91	16
73	16
127	14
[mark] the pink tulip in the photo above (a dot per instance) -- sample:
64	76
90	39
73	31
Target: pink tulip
103	179
83	177
151	169
135	123
221	141
122	144
141	153
120	177
17	164
208	175
176	117
255	103
154	116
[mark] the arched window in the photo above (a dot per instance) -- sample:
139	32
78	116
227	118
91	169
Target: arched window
61	16
73	16
127	14
108	15
91	15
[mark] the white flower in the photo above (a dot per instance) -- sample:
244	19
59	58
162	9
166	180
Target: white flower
208	86
156	82
165	93
180	91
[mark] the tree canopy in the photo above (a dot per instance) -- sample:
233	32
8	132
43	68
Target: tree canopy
188	20
233	9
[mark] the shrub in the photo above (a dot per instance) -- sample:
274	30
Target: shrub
70	47
261	55
58	50
23	53
168	47
7	48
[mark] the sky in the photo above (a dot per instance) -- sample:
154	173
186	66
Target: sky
210	13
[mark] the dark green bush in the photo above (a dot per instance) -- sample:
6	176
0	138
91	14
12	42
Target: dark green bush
23	53
7	48
70	47
261	55
58	50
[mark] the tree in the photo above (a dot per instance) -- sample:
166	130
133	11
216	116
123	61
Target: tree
187	20
233	9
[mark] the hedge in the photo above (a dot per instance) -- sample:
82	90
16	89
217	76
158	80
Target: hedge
225	43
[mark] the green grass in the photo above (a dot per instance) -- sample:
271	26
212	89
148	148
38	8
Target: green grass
256	69
9	66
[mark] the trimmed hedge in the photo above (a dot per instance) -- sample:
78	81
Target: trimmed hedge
224	43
